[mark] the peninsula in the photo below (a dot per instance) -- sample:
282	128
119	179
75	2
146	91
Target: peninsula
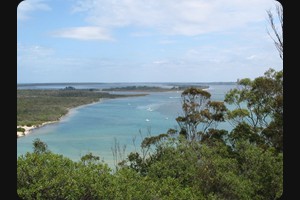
38	107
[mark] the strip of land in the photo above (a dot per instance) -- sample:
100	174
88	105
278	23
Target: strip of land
153	88
36	108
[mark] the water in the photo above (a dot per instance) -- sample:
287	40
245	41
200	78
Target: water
95	127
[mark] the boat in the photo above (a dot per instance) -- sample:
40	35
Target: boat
149	109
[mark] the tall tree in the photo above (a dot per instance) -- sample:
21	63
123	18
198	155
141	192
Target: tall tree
258	109
198	109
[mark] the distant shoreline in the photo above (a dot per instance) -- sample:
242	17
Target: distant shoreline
153	88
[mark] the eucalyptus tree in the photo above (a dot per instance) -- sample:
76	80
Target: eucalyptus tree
258	109
199	110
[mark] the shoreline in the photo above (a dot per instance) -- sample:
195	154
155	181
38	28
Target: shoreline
29	129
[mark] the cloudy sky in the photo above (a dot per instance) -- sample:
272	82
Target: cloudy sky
143	40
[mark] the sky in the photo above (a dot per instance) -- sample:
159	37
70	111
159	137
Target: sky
144	40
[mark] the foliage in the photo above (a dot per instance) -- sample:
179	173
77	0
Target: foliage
130	185
198	109
259	103
39	146
46	175
89	158
263	168
52	176
20	129
215	171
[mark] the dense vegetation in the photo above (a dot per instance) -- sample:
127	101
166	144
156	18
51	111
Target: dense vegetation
35	107
197	161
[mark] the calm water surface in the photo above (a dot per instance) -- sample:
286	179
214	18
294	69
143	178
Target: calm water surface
95	127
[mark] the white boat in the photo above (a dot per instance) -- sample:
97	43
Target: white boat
149	109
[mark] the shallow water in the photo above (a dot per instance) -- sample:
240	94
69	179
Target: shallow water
95	127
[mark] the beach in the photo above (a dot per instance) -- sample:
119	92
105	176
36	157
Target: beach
28	129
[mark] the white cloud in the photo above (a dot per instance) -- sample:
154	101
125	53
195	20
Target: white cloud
27	6
84	33
160	62
173	17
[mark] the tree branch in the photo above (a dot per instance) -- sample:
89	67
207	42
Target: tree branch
278	39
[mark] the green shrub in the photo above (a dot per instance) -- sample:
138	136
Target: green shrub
20	129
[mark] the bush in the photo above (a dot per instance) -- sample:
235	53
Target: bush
20	129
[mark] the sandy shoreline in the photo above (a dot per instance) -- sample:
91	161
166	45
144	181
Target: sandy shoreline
28	129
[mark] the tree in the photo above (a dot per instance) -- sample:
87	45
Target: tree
262	168
53	176
278	34
198	109
258	109
39	146
89	158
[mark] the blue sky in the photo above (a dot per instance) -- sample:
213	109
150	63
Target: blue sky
143	40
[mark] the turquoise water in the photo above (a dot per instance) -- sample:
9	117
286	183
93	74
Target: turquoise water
95	127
